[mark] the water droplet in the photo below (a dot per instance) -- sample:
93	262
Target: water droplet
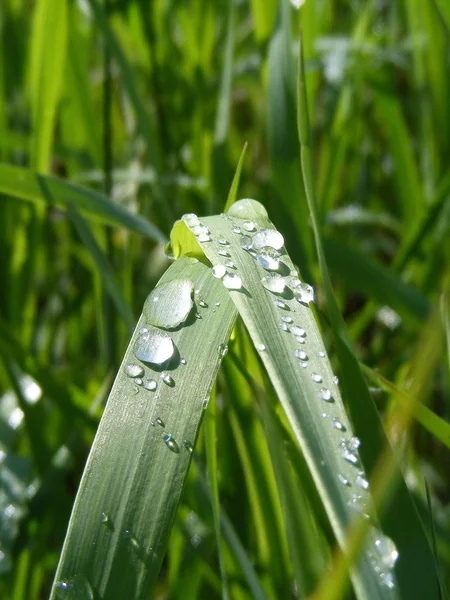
306	294
355	443
135	390
280	303
154	347
217	303
299	339
230	264
188	446
223	252
105	520
75	588
143	330
268	237
150	384
203	304
349	456
287	319
260	347
232	281
171	443
268	258
361	481
387	551
301	355
191	217
335	379
325	394
283	327
167	379
316	378
173	305
236	229
198	229
198	316
296	330
249	225
134	370
219	271
223	350
321	354
183	361
223	242
204	237
138	381
273	282
388	580
337	424
294	283
246	242
343	479
159	421
205	403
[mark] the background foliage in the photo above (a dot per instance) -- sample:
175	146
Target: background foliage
149	104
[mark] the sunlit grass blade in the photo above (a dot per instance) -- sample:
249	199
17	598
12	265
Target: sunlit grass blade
23	183
232	195
135	473
285	332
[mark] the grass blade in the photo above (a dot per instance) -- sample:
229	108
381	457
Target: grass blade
132	477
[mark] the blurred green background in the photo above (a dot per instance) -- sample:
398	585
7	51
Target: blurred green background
149	103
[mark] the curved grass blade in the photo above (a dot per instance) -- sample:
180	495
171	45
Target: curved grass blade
285	332
23	183
134	476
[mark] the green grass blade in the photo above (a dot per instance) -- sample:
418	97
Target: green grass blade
23	183
299	389
132	477
232	195
46	76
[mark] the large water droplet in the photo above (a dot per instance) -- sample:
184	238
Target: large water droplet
171	443
232	281
274	283
305	293
133	370
268	258
246	242
170	303
268	237
75	588
154	347
150	384
223	350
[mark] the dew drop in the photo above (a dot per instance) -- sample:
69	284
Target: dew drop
268	258
301	355
167	379
350	457
343	479
296	330
268	237
223	350
387	551
133	370
159	421
232	281
188	446
299	339
260	347
183	361
223	252
273	282
203	304
173	305
143	330
223	242
280	303
355	443
138	381
199	229
104	519
75	588
135	390
219	271
171	443
236	229
191	218
294	283
249	225
204	237
306	293
287	319
337	424
316	378
362	482
321	354
217	304
335	380
150	384
325	394
154	347
283	327
230	265
246	242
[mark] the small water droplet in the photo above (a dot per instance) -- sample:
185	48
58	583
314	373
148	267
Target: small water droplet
217	303
337	424
325	394
246	242
283	327
335	379
154	347
299	339
350	457
199	229
223	252
167	379
387	551
198	316
138	381
249	225
355	443
232	281
150	384
205	403
230	265
219	271
316	378
343	479
268	237
260	347
294	283
301	355
183	361
104	518
296	330
287	319
133	370
204	237
324	415
75	588
203	304
159	421
273	282
191	218
223	242
361	481
321	354
268	258
236	229
280	303
143	330
223	350
135	390
171	443
188	446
